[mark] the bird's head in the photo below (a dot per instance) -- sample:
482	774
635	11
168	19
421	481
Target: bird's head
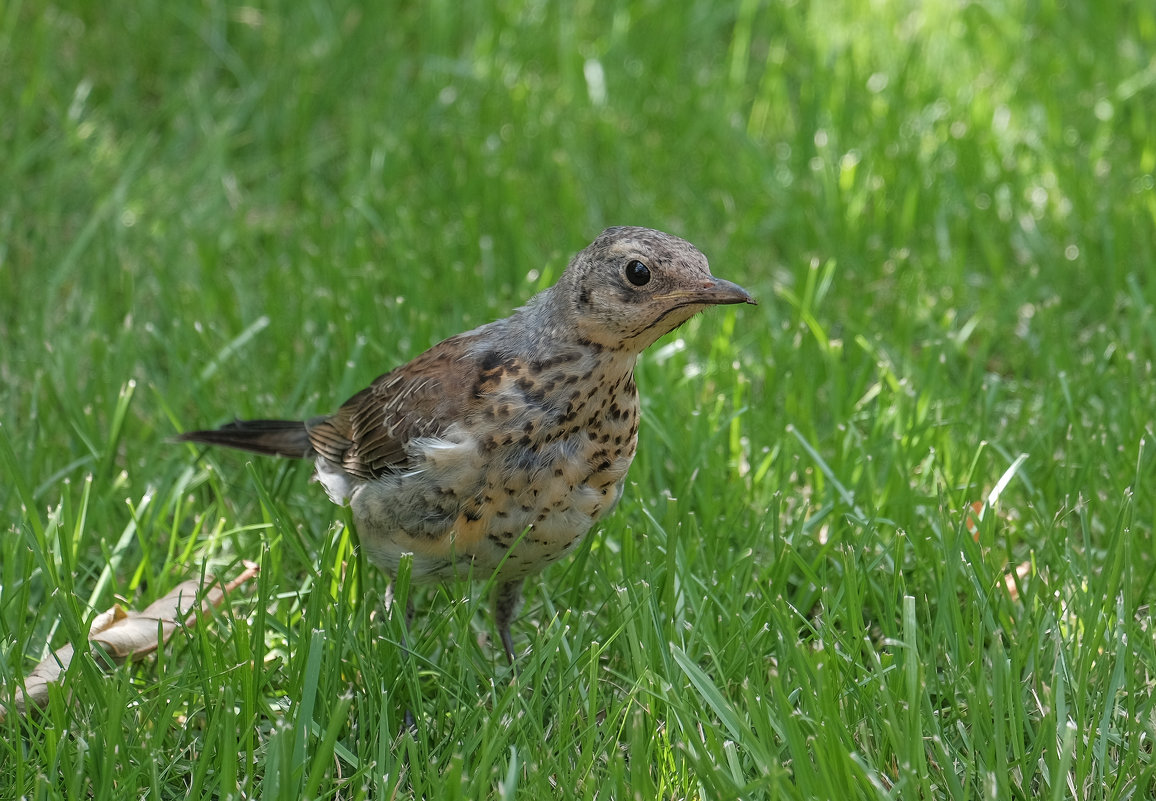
631	286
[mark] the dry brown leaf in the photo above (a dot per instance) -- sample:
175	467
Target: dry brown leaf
972	517
973	514
125	636
1023	570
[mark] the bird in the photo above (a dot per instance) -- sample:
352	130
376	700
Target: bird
493	453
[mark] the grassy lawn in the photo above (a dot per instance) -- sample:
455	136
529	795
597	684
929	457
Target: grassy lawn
890	534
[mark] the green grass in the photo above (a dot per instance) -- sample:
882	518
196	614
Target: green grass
947	211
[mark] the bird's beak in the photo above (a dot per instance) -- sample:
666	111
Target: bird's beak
714	292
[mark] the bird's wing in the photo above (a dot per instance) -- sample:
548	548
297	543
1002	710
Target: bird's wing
369	434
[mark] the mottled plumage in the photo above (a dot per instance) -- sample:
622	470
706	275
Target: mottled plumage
496	450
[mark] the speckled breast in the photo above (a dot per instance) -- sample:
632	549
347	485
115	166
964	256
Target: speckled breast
513	489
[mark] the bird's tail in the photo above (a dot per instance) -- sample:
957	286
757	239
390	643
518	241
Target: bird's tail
269	437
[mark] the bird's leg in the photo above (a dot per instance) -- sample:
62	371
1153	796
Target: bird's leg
408	615
507	601
407	621
409	612
410	723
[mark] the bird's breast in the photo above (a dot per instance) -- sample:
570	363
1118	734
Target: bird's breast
512	489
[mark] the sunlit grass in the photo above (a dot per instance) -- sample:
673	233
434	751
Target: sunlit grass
810	589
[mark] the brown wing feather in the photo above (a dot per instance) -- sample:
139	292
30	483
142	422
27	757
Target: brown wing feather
370	433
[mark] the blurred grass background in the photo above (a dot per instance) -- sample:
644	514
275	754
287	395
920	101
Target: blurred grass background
947	210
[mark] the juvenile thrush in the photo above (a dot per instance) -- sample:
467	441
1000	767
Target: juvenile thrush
495	451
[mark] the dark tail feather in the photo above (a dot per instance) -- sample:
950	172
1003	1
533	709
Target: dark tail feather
269	437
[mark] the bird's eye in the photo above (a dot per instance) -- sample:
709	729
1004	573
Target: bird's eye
637	273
